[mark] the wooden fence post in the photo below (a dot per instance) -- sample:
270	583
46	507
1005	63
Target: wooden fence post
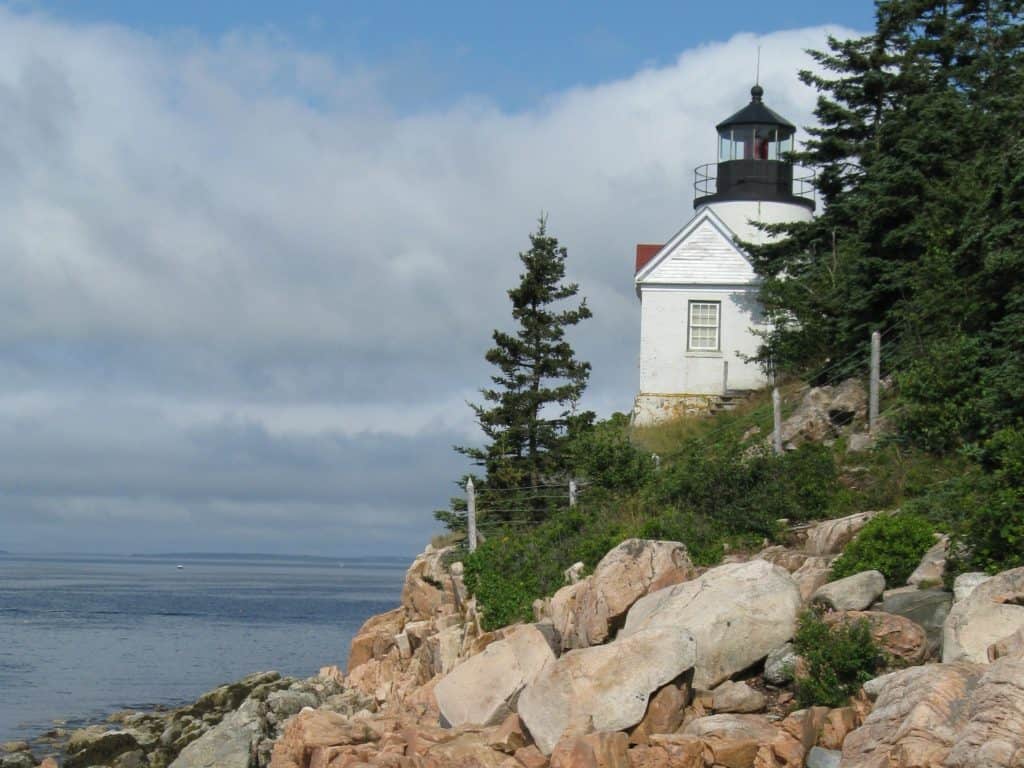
572	493
471	514
876	372
777	421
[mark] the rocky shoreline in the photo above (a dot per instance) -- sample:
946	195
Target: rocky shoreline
252	710
648	662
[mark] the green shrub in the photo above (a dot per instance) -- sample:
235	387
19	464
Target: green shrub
948	503
1003	455
939	390
839	660
807	482
989	534
746	494
515	565
992	536
705	540
892	544
506	575
709	480
605	458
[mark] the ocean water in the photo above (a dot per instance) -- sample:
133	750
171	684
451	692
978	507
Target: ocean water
81	637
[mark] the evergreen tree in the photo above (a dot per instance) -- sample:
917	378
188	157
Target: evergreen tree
918	138
920	159
531	409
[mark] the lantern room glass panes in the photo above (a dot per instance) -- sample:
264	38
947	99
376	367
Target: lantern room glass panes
785	145
703	330
730	145
753	142
725	148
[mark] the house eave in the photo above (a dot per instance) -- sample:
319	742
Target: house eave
705	214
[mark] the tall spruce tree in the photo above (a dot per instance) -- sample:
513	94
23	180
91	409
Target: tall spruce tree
531	409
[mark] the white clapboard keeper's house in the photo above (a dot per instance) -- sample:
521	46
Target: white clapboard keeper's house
698	292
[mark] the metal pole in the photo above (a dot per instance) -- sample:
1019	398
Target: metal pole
471	514
725	377
777	420
876	371
572	493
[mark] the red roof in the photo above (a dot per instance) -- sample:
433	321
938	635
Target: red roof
644	253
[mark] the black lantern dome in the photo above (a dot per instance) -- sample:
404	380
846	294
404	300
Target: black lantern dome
753	149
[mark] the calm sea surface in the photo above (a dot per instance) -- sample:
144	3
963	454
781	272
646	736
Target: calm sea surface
81	637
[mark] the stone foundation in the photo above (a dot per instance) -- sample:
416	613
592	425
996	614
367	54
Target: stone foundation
649	410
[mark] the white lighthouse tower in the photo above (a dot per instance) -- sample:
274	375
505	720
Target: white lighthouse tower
699	313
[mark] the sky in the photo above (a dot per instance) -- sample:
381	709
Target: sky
253	253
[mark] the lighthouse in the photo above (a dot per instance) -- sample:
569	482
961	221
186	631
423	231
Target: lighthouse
699	313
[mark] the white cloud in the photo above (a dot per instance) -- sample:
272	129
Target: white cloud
241	232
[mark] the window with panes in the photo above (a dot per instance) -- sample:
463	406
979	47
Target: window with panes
703	334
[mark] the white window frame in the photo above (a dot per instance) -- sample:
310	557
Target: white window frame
691	325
